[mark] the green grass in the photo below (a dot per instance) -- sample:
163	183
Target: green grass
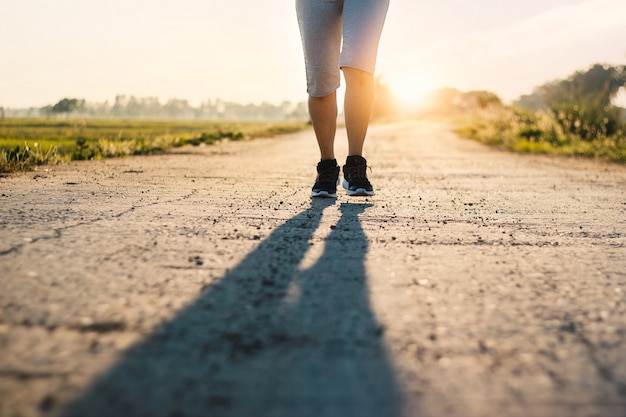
28	143
538	133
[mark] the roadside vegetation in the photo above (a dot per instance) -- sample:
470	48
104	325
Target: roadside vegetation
540	133
26	144
573	117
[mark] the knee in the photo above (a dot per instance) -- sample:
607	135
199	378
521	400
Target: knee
357	77
322	99
321	83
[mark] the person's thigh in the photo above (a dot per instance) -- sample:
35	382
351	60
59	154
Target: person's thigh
320	28
363	22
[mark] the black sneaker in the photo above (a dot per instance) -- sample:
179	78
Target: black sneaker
327	179
355	177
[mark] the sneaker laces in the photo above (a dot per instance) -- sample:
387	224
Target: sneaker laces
328	175
357	171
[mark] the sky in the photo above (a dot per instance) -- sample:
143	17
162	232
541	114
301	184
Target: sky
250	50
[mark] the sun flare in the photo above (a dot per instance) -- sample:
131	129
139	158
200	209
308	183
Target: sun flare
410	91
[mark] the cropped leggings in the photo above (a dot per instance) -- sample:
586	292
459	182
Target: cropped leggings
323	26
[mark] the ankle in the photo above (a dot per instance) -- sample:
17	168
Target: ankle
327	163
353	160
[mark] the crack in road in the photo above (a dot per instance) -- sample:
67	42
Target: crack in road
57	233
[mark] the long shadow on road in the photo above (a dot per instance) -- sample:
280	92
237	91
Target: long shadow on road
270	339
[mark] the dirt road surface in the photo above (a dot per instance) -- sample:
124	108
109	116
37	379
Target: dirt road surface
205	282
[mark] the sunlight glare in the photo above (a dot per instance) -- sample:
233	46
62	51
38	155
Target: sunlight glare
411	91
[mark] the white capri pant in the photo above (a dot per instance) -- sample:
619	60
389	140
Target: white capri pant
323	25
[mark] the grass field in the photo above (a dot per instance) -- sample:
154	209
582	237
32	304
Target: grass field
26	144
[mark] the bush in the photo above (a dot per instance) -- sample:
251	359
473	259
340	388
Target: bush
25	157
581	104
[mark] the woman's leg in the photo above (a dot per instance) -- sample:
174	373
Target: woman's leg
358	104
363	22
323	113
320	25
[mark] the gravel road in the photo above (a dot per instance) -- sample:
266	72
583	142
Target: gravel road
205	282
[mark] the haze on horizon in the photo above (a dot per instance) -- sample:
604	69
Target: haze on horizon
249	51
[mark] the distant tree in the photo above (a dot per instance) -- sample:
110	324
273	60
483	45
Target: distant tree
119	107
602	80
68	105
477	99
582	105
177	108
46	111
135	108
531	102
1	112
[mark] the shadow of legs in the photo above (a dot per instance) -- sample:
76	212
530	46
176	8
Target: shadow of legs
267	340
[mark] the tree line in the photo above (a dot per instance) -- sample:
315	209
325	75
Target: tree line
133	107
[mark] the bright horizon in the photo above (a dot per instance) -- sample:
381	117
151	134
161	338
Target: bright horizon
249	51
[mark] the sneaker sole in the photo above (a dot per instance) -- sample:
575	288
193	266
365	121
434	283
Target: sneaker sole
323	194
359	192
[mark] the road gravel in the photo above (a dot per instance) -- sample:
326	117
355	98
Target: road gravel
205	282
